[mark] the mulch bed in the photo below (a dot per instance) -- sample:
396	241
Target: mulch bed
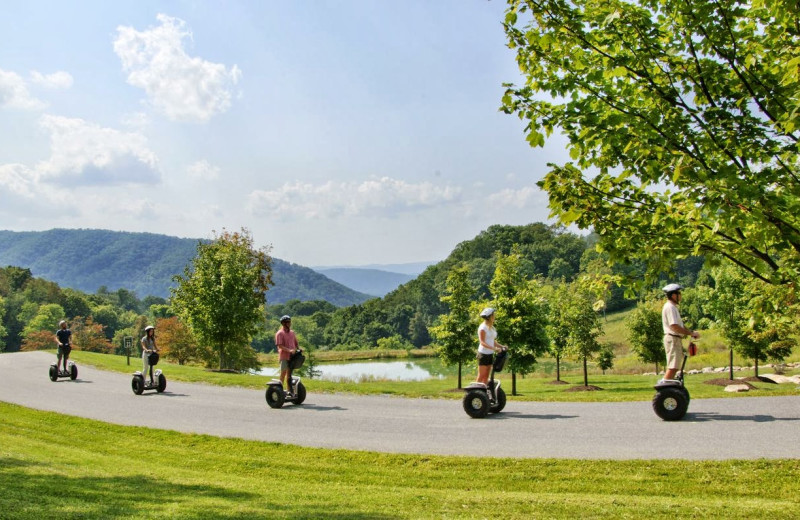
760	379
557	382
581	388
726	382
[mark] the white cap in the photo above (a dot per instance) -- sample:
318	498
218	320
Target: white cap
485	313
672	288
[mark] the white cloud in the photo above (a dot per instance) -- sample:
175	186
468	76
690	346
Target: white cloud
384	197
58	79
14	93
17	179
86	153
518	198
184	88
203	170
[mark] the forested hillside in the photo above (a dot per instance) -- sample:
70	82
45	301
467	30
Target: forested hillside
88	259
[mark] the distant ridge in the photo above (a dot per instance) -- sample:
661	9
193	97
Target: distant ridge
87	259
370	281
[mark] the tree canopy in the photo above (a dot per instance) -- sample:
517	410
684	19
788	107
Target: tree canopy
221	297
683	119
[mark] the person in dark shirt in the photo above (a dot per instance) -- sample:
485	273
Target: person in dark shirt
64	340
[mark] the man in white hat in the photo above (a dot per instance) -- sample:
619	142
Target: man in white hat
674	330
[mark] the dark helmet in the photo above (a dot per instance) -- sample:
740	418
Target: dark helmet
285	318
671	289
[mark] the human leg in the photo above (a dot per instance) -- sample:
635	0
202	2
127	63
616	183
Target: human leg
673	345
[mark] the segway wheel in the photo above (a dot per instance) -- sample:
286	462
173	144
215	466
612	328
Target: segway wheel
275	397
53	373
73	372
137	385
162	383
476	404
670	404
501	402
301	394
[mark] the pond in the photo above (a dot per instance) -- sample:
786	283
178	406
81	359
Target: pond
376	370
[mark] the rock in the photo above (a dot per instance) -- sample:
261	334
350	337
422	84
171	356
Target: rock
737	388
795	379
649	374
708	370
721	369
694	371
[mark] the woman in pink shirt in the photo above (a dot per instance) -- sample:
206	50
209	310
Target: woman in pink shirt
286	341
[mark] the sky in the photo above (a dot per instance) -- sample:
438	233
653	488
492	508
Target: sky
345	132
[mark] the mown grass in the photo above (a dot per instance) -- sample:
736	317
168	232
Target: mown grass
616	387
56	466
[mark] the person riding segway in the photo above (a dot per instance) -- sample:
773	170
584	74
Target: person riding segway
150	357
672	398
64	341
291	358
485	396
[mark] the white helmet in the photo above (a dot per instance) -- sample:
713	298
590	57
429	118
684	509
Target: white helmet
148	328
485	313
672	289
61	323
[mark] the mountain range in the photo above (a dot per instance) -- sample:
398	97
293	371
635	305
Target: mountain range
88	259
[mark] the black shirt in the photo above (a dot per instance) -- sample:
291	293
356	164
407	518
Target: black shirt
64	336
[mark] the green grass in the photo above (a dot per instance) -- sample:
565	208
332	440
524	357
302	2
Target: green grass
616	387
56	466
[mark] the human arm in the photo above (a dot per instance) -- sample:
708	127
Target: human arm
683	331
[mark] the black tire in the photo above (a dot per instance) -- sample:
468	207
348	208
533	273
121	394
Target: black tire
476	403
162	383
73	372
275	397
686	393
301	394
53	373
137	385
501	402
670	404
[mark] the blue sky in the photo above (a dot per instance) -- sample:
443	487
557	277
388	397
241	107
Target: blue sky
340	133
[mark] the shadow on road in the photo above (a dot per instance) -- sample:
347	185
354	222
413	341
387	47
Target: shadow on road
517	415
314	407
165	393
712	416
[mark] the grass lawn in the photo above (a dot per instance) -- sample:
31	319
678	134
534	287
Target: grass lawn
539	387
56	466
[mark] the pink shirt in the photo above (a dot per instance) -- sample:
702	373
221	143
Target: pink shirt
287	340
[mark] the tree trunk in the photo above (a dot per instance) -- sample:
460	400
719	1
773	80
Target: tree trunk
730	364
513	383
558	367
656	367
756	360
585	372
459	375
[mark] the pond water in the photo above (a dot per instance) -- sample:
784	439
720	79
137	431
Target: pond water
388	370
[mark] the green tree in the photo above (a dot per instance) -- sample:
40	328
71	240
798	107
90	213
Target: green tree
577	324
558	324
454	336
46	318
521	315
605	358
646	334
2	327
682	121
221	297
730	304
176	340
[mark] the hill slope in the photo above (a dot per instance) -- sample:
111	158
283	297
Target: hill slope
86	259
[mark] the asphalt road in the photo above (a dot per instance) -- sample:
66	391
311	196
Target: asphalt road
746	428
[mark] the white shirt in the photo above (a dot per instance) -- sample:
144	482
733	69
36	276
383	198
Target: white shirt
670	316
488	338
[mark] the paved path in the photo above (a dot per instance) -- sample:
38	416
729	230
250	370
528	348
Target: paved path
747	428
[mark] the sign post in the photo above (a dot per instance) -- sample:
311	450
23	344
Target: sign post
128	346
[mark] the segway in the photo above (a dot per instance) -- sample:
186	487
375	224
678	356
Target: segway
672	398
158	381
276	395
56	372
480	399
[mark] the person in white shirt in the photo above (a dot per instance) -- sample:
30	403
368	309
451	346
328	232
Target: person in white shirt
674	330
488	345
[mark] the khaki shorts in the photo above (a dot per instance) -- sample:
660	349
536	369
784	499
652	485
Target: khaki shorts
284	364
673	345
